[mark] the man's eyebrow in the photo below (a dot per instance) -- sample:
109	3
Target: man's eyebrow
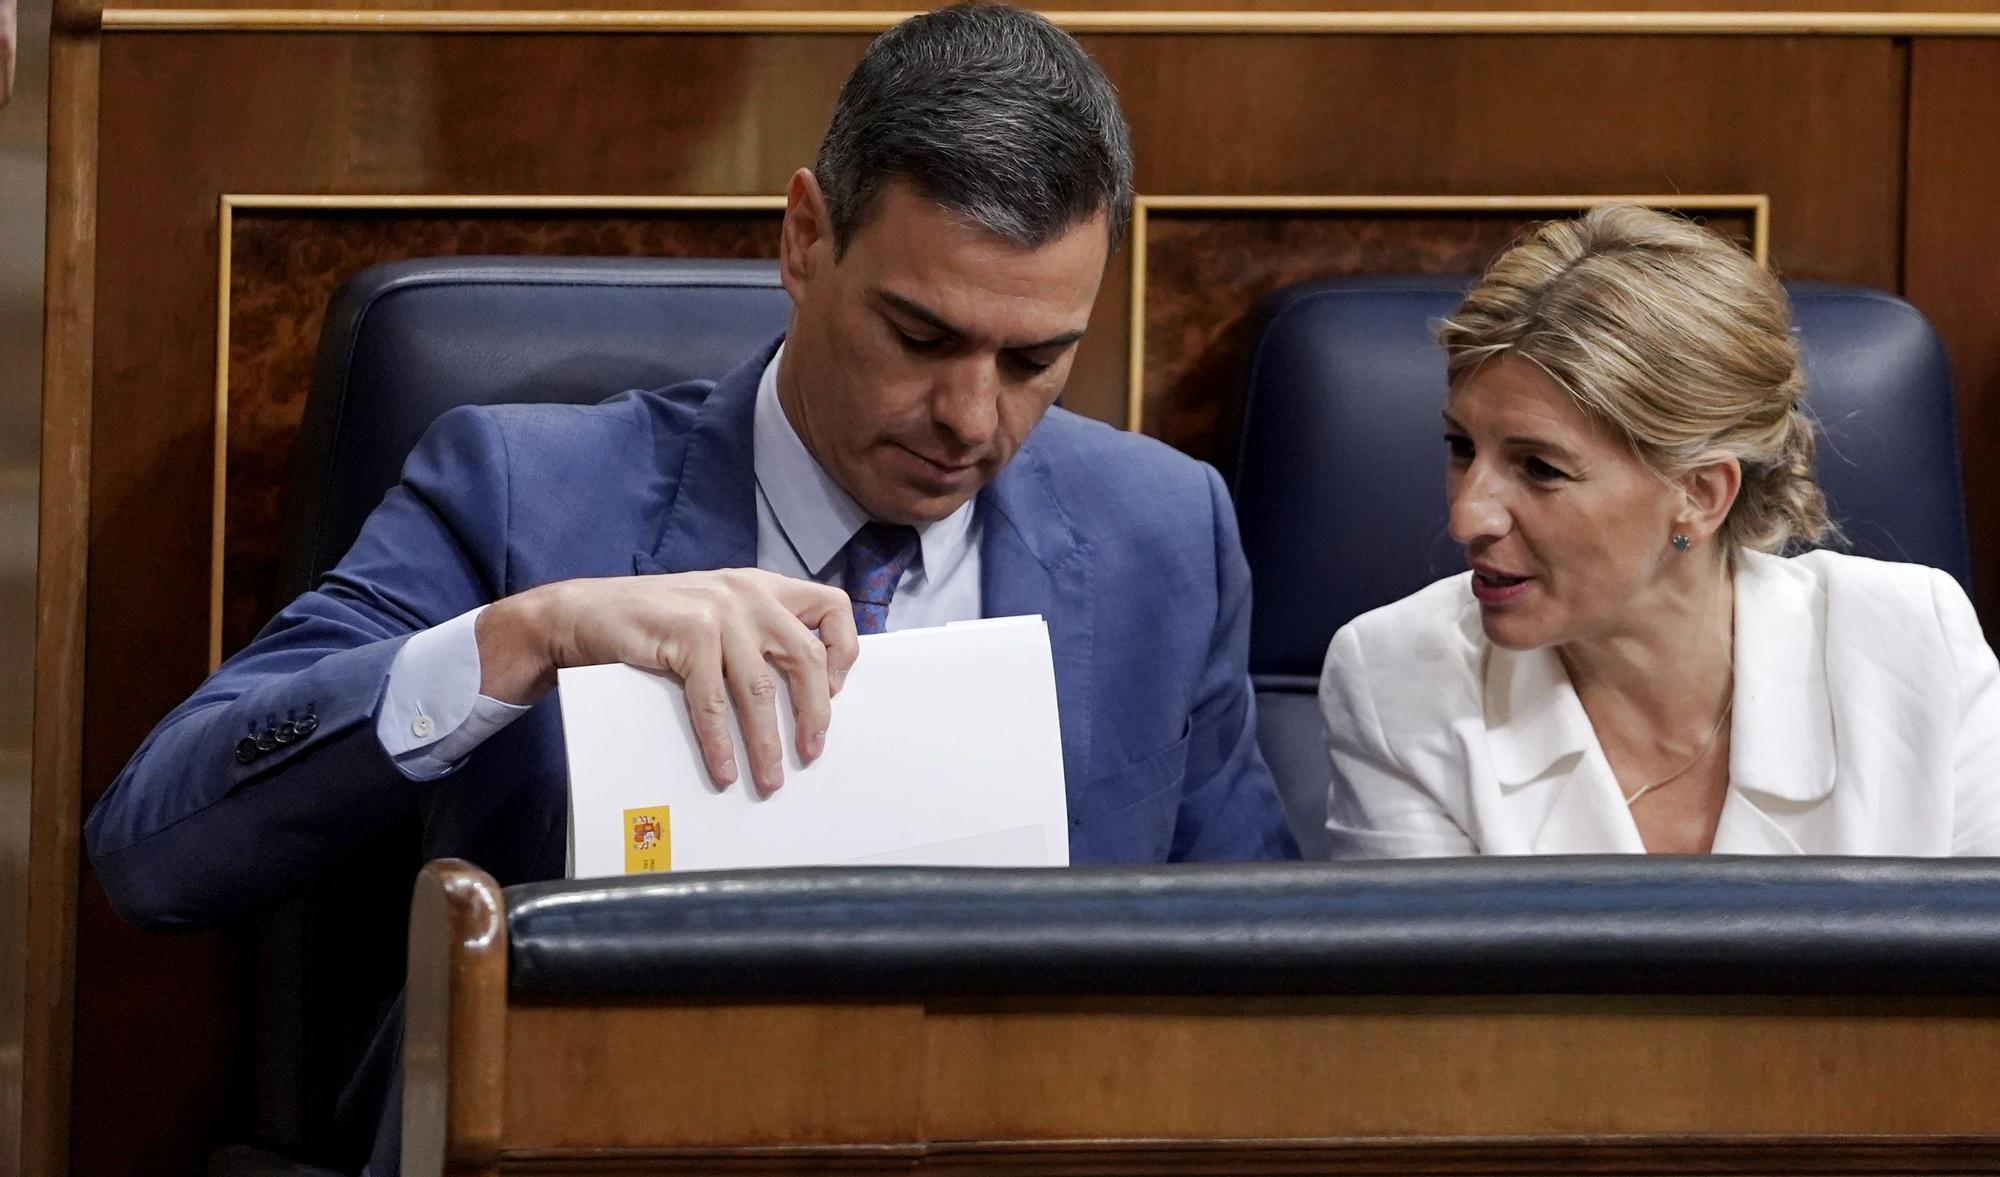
1062	340
943	326
920	313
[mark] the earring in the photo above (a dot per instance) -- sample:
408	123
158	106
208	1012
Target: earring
1681	542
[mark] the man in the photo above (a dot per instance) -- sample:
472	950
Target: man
942	258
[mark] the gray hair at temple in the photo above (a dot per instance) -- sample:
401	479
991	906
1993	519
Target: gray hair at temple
989	110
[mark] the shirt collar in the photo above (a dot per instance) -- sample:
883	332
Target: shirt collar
816	516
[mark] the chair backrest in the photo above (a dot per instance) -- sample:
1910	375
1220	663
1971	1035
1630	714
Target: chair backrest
406	341
1340	488
402	344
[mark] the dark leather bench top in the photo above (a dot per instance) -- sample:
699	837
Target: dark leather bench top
1614	924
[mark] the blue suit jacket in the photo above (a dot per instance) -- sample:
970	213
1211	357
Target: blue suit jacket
1127	548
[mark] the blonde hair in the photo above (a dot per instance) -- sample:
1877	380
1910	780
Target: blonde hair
1671	335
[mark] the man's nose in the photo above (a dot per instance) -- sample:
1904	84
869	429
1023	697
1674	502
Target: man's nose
965	401
1478	506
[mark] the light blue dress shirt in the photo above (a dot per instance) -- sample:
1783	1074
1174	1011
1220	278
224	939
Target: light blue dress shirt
432	715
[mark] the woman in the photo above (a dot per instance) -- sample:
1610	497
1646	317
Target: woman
1631	665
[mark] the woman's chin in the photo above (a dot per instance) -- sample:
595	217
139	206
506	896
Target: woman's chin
1511	630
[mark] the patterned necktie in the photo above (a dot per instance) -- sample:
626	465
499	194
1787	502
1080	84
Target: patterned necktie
877	557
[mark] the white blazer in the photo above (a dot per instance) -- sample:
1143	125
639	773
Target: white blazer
1867	721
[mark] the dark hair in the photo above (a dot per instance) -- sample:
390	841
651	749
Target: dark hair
991	111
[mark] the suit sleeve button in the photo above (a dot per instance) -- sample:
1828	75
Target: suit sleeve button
266	739
308	725
246	750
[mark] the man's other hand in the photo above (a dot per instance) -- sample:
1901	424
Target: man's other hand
721	633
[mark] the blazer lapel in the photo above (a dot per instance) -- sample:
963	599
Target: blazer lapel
712	521
1781	750
1556	788
1031	563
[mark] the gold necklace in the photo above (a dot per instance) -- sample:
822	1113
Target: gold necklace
1632	798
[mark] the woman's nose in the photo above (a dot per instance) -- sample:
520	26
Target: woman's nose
1478	507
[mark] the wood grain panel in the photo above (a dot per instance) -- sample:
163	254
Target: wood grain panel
1107	1086
1207	271
285	267
1952	264
714	1074
1376	1067
832	1160
1817	125
54	817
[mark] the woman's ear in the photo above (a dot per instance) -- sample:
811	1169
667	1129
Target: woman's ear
1709	491
806	226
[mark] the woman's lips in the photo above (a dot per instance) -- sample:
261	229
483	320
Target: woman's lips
1498	588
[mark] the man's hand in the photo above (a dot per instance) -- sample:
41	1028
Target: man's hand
720	632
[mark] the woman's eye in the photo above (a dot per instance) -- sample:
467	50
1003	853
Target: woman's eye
1541	471
1460	447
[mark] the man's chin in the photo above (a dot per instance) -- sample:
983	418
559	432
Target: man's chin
917	506
918	512
919	496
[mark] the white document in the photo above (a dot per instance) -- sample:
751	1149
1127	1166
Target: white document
944	750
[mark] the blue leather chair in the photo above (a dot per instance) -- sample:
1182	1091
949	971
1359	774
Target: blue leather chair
402	343
1340	479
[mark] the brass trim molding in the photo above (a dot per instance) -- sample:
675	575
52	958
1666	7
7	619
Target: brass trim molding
1685	23
455	203
231	203
1758	206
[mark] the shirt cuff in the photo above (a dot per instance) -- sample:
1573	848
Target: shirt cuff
432	715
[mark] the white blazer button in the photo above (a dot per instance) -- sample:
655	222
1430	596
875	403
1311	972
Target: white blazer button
423	727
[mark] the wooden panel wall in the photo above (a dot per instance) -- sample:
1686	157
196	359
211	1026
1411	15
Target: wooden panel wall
1952	263
1835	130
1207	270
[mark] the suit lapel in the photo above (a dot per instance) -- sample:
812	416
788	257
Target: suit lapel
1556	788
712	522
1781	739
1031	563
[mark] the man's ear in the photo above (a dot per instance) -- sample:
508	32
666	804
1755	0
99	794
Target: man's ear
1710	489
806	241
